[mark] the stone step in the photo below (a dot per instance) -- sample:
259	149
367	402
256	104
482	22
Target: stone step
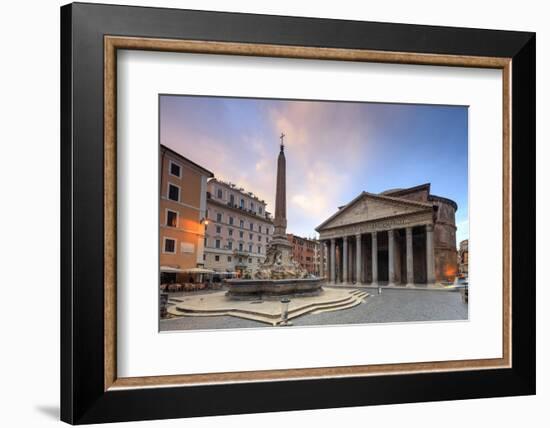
350	305
353	299
251	311
269	319
319	307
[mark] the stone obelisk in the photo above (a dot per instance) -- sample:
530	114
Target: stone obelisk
280	197
279	263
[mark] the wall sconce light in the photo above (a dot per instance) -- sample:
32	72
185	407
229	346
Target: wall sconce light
205	221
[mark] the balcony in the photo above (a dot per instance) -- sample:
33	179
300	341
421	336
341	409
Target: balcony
242	252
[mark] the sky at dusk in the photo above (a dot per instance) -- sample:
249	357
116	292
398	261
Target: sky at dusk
334	150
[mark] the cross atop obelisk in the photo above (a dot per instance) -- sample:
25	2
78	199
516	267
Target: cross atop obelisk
282	142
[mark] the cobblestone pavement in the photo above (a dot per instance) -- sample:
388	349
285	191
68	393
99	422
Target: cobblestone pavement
390	306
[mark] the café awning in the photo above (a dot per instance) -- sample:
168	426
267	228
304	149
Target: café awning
170	269
197	270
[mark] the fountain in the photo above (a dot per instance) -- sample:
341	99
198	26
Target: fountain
279	275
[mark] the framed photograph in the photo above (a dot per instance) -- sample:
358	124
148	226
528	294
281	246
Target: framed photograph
267	213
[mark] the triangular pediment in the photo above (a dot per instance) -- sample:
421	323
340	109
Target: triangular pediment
369	207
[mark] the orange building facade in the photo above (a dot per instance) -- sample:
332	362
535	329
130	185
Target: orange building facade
305	251
182	212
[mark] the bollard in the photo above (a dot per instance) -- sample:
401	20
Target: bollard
284	312
379	290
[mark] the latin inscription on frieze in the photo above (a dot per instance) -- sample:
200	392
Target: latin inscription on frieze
374	226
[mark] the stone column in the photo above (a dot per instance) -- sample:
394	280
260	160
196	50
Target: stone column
333	261
322	259
391	258
430	258
353	258
374	259
358	261
410	272
345	260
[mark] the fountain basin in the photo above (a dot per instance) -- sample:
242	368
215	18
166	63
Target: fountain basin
272	289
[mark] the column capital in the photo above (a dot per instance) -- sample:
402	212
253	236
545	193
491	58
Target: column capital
429	228
358	235
332	241
390	232
409	230
374	234
345	238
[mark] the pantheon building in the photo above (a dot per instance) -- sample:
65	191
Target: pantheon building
397	237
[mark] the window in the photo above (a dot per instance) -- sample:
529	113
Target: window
205	242
173	192
249	260
259	238
251	226
232	199
218	243
250	236
228	258
218	229
217	258
241	223
260	209
241	234
219	217
220	193
240	246
230	245
242	203
259	249
260	228
230	232
175	169
231	220
252	206
171	218
249	248
203	256
169	245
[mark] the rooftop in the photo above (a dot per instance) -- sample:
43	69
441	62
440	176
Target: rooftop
236	188
183	158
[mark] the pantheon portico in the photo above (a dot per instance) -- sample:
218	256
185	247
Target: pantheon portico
397	237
